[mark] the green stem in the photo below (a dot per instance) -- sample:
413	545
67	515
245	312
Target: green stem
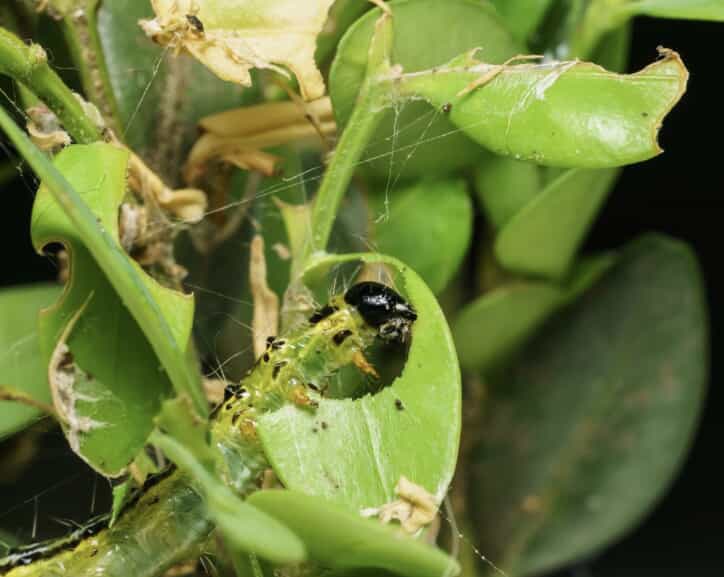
80	28
366	115
28	64
358	132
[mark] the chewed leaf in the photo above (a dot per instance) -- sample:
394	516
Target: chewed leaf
233	36
354	452
573	113
106	374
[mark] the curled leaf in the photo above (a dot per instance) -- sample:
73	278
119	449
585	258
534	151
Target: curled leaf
233	36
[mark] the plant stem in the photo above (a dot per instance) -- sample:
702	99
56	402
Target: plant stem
366	115
80	28
362	124
28	64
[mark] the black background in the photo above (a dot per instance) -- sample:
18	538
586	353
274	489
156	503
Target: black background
675	194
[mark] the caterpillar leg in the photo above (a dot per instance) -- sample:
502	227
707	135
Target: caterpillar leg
364	365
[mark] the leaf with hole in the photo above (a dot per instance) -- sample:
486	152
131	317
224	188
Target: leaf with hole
365	445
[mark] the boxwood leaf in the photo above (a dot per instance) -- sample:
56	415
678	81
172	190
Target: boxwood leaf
427	225
491	328
505	185
522	17
21	365
542	239
409	428
244	527
571	113
233	36
340	539
158	98
588	428
476	24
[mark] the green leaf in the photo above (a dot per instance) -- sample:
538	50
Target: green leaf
522	17
21	366
244	527
343	540
369	443
341	16
543	238
428	226
118	387
505	185
591	424
493	327
572	114
475	24
684	9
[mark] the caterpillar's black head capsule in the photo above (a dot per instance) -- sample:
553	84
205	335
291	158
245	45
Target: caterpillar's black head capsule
382	308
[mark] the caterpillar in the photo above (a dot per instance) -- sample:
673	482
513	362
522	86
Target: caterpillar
166	523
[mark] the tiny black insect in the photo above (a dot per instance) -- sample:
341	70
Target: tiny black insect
195	22
382	308
447	107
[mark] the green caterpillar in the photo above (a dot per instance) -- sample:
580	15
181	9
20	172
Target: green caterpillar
167	522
